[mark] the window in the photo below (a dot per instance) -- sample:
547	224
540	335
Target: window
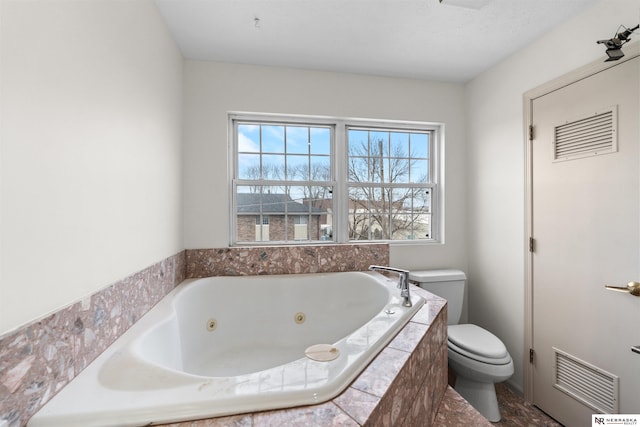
389	184
262	220
262	228
307	179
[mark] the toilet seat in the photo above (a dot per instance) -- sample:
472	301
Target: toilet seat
478	344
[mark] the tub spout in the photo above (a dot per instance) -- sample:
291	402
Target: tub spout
403	281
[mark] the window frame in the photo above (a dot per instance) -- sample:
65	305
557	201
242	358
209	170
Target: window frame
339	173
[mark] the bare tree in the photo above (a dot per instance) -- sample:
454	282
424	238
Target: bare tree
377	209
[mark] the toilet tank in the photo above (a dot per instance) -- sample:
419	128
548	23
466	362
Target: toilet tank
447	284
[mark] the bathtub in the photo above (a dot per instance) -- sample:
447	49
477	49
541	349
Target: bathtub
227	345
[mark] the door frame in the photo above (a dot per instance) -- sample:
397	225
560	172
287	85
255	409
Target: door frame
631	50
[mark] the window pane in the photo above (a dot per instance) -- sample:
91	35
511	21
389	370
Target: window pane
379	143
421	227
321	141
272	139
358	214
297	168
320	201
250	223
248	200
401	221
369	213
272	166
249	166
422	200
249	138
398	170
399	144
420	145
358	169
378	170
419	171
295	202
358	142
320	168
297	139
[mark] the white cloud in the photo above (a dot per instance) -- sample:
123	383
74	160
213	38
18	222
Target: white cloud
246	144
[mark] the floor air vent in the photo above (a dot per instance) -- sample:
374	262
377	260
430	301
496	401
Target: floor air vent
586	383
587	136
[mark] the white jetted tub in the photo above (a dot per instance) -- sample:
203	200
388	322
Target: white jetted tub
228	345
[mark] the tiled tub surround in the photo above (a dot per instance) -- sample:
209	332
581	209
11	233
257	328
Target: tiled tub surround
37	360
255	261
171	366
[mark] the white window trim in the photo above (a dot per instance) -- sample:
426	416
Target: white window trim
339	172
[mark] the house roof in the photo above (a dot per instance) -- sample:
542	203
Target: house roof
249	203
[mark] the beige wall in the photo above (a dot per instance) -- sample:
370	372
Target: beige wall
495	143
213	89
90	149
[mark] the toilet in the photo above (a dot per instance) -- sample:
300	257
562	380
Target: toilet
478	358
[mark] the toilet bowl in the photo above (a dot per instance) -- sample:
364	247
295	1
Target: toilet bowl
478	358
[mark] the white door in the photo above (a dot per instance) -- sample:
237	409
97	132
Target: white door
586	226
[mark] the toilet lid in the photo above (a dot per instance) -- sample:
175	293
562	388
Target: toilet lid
475	340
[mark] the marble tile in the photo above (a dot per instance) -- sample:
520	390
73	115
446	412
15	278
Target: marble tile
283	260
399	396
180	268
456	412
377	378
357	404
231	421
102	318
134	295
160	280
432	308
438	375
37	360
35	363
422	411
409	337
324	415
518	413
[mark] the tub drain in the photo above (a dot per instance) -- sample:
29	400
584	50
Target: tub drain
322	352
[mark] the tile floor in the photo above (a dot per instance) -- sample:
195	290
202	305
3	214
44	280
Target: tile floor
517	413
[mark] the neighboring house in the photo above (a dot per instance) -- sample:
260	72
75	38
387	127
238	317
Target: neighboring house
379	220
277	217
264	217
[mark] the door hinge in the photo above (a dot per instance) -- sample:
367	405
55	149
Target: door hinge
531	353
531	133
532	244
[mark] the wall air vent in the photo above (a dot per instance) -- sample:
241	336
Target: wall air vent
586	383
587	136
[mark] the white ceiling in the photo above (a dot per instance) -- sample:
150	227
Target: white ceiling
403	38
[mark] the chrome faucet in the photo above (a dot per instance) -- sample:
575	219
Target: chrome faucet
403	281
